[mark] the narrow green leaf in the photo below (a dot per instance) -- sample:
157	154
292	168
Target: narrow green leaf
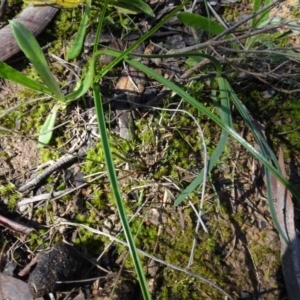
116	192
262	157
33	52
256	21
258	4
223	110
138	42
85	85
266	152
197	104
9	73
187	54
77	45
200	22
100	25
126	9
46	131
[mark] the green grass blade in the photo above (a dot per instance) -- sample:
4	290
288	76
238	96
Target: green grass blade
256	133
187	54
257	154
255	22
257	4
100	25
266	152
225	115
122	55
207	112
9	73
117	194
77	45
89	77
200	22
33	52
197	182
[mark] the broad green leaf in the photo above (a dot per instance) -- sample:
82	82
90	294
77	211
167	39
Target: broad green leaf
46	131
77	45
33	52
200	22
9	73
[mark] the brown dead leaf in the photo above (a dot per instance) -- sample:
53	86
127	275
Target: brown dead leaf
130	86
290	256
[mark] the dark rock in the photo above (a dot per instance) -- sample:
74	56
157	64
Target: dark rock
61	262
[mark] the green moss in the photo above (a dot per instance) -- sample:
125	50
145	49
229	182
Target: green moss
94	160
91	218
230	13
79	218
47	154
30	115
99	199
8	192
40	212
162	171
284	129
296	12
7	189
68	197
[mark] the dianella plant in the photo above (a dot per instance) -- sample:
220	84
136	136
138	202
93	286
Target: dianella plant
223	97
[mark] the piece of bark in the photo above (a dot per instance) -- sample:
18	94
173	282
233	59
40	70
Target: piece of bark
34	18
129	89
14	225
290	256
284	207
